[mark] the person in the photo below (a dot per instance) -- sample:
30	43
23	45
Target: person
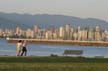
24	50
19	45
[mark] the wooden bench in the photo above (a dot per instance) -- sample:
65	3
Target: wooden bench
73	52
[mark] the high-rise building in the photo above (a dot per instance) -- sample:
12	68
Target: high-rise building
47	35
106	35
75	36
103	36
84	35
55	35
90	35
29	33
52	32
97	36
67	27
36	29
98	33
67	31
71	33
42	33
79	34
17	30
98	29
1	32
61	33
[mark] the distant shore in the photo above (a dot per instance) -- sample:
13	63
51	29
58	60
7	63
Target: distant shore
60	42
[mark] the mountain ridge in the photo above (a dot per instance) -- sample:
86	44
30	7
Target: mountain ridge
47	21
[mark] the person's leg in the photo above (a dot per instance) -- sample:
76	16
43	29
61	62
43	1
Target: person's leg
22	53
18	53
25	53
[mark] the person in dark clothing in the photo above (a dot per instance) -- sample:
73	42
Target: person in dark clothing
24	50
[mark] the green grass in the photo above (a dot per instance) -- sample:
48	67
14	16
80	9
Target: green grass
53	64
52	60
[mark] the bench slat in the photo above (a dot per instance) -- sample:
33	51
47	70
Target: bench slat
73	52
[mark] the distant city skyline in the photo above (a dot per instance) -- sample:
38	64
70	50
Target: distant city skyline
78	8
61	33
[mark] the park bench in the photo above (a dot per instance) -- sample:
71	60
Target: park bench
73	52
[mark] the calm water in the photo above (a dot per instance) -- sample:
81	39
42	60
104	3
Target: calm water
47	50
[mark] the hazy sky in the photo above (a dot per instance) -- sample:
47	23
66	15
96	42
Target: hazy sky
78	8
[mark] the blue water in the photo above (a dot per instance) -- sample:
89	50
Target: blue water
46	50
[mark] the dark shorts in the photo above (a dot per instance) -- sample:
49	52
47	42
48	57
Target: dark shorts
24	49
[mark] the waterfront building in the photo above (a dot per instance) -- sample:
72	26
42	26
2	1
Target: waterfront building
61	33
71	33
97	36
98	33
103	36
1	32
98	29
106	35
9	33
4	34
21	33
90	35
47	35
17	31
29	33
79	34
75	36
42	33
55	35
67	31
72	29
36	29
84	35
67	27
52	29
39	34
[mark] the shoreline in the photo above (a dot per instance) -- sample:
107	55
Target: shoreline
59	42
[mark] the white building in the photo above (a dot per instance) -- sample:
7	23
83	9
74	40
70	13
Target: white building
29	33
47	35
90	35
1	32
75	36
61	33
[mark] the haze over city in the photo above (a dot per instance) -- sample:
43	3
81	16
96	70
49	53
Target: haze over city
78	8
53	35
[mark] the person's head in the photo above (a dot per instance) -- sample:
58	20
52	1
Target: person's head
24	41
19	41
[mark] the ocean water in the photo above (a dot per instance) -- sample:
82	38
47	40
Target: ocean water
9	49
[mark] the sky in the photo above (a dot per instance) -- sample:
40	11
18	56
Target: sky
77	8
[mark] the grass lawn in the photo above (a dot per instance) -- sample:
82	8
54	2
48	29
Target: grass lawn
53	64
